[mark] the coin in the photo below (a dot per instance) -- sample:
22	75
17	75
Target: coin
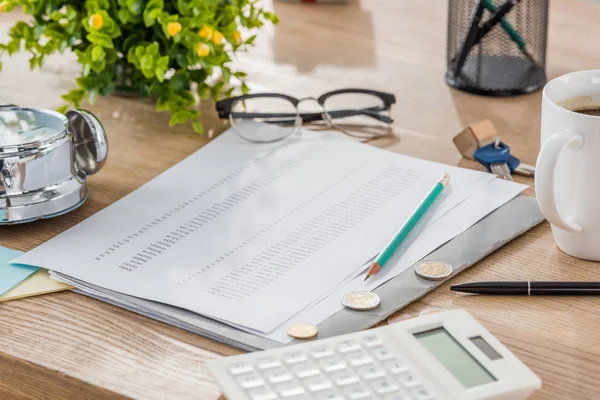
302	331
433	270
361	301
399	317
432	310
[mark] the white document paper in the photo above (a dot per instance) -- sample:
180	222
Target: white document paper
492	195
251	234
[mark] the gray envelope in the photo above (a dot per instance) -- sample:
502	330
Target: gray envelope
498	228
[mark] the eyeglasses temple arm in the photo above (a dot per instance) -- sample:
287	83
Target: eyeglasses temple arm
311	117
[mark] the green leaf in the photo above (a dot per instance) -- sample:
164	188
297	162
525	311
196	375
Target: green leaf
181	59
71	12
147	66
250	40
180	81
245	88
162	104
56	15
124	15
139	52
152	50
135	6
92	6
150	17
100	39
198	127
97	53
163	62
226	74
160	74
103	4
203	91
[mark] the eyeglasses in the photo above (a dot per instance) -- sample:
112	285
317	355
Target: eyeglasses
360	113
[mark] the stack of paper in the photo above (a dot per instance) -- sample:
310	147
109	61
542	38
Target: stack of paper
261	235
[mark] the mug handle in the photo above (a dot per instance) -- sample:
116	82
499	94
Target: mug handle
544	177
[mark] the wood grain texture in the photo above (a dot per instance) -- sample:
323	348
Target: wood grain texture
68	346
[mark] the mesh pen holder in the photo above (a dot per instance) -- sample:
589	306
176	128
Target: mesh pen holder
510	59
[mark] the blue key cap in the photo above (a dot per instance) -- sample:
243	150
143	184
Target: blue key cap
495	157
489	154
513	163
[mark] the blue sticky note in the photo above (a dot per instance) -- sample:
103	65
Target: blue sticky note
12	275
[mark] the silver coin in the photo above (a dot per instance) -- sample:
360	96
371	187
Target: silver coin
361	301
433	270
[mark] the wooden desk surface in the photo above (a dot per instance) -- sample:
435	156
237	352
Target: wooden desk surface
68	346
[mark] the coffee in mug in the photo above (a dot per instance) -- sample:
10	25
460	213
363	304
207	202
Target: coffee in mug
582	105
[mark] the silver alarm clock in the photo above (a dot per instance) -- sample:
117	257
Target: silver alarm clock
45	157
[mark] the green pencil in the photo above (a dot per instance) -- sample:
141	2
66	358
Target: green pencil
408	225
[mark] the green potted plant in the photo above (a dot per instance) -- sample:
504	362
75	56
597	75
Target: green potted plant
163	49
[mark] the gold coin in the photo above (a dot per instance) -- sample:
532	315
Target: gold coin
432	310
302	331
399	317
433	270
361	301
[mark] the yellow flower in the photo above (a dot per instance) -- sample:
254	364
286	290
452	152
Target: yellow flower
217	37
237	37
96	21
173	28
3	6
202	49
206	32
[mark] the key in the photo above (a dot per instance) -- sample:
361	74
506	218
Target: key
494	157
517	167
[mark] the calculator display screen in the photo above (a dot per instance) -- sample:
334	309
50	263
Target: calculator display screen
465	368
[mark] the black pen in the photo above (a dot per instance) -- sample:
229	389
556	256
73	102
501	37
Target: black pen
530	288
477	33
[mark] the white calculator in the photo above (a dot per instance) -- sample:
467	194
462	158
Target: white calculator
435	357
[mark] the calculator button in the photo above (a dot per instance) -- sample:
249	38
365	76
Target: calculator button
318	383
278	375
332	364
321	352
250	381
396	367
371	372
372	341
409	381
344	378
305	370
267	363
396	396
420	393
383	354
347	346
356	392
294	357
262	393
328	395
358	359
384	386
290	389
240	368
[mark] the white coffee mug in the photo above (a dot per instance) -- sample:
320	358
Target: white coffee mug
567	180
